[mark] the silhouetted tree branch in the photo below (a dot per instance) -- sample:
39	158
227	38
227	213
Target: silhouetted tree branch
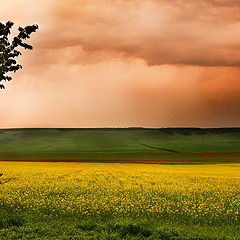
8	51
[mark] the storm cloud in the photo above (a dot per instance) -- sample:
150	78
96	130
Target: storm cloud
152	63
203	33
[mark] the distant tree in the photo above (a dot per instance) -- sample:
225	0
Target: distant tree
8	51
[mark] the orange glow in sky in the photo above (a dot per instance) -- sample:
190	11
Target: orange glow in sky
104	63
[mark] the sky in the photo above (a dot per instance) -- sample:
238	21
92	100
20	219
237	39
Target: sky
125	63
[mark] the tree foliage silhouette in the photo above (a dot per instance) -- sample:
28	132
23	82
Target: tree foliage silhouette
8	51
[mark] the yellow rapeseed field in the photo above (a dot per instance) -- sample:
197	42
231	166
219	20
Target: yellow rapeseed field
183	193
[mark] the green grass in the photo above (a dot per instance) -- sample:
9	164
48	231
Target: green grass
33	227
127	145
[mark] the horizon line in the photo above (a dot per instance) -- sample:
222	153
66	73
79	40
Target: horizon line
102	128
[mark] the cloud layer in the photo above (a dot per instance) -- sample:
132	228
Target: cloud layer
152	63
203	33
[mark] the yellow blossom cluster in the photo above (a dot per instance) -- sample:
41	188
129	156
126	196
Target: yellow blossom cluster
183	193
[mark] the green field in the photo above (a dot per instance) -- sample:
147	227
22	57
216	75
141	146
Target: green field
165	145
78	184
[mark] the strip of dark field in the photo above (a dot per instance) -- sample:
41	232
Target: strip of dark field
220	154
139	161
167	162
144	158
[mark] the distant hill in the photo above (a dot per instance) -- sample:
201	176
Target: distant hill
119	143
